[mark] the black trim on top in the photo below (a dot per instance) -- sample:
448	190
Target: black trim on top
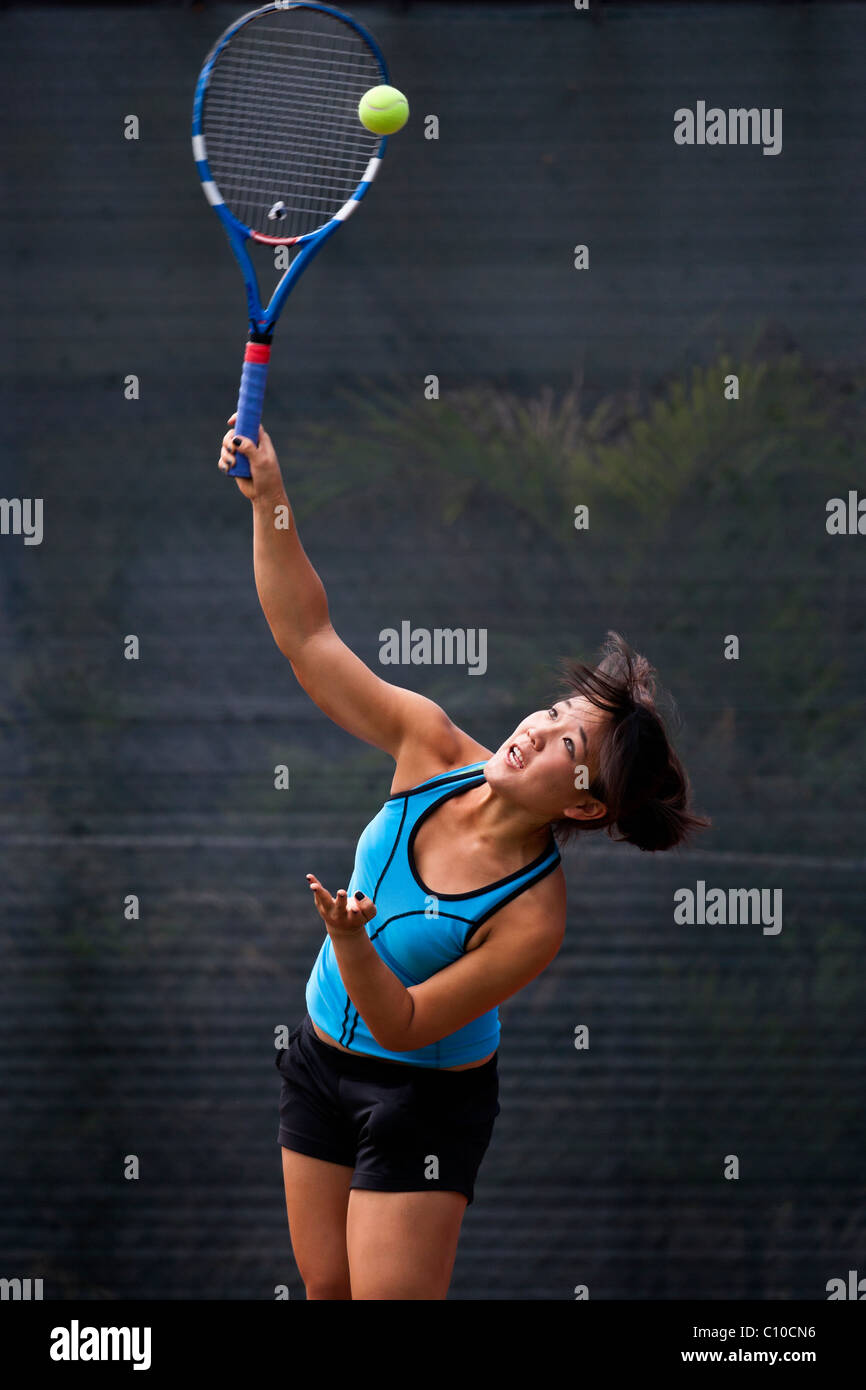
375	896
491	911
391	855
459	772
475	892
420	912
346	1013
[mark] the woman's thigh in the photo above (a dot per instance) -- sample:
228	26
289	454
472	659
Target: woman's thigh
317	1201
402	1245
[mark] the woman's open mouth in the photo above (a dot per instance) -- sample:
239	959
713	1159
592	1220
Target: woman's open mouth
515	757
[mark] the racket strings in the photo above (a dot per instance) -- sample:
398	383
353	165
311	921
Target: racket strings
280	120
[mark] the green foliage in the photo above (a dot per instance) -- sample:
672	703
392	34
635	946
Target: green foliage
713	508
636	461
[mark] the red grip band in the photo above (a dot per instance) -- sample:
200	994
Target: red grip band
257	352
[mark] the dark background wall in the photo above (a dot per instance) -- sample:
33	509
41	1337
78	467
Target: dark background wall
155	777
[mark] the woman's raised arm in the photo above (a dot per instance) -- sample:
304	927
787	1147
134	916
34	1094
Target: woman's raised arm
295	605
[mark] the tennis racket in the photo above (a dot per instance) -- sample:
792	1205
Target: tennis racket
282	156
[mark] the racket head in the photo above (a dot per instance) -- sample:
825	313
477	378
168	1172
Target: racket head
277	140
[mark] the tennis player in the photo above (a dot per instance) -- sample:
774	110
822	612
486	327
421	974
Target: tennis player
457	900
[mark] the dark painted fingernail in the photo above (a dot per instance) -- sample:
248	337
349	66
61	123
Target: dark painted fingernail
359	894
237	440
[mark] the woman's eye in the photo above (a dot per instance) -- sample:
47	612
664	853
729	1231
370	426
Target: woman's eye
570	746
552	711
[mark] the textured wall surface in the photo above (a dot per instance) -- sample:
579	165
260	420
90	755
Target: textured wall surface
155	777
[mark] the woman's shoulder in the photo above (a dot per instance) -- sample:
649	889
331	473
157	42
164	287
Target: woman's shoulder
417	764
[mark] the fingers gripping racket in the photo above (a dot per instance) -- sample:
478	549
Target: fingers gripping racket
282	156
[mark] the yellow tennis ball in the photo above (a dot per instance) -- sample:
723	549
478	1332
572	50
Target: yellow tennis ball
383	110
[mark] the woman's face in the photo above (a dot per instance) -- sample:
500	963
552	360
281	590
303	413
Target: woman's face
550	750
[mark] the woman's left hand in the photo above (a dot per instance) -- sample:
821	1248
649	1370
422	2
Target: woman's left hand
343	916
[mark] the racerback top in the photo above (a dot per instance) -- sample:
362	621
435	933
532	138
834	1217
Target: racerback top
416	932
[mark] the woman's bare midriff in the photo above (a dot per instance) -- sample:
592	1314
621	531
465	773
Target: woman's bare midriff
332	1043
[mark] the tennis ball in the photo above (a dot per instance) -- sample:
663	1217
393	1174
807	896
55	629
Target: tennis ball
383	110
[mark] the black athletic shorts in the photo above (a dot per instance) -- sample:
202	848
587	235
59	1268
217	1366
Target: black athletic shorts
402	1128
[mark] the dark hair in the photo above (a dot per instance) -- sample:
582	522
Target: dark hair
639	777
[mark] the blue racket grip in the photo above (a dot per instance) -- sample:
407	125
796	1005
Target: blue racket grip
251	399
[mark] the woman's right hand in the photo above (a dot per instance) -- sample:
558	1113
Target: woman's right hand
266	482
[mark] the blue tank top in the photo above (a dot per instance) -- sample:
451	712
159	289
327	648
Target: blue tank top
416	932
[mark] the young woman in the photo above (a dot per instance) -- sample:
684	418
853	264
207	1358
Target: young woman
457	900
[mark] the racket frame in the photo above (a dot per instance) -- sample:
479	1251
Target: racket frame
263	318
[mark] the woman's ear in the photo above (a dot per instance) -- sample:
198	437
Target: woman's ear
591	809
